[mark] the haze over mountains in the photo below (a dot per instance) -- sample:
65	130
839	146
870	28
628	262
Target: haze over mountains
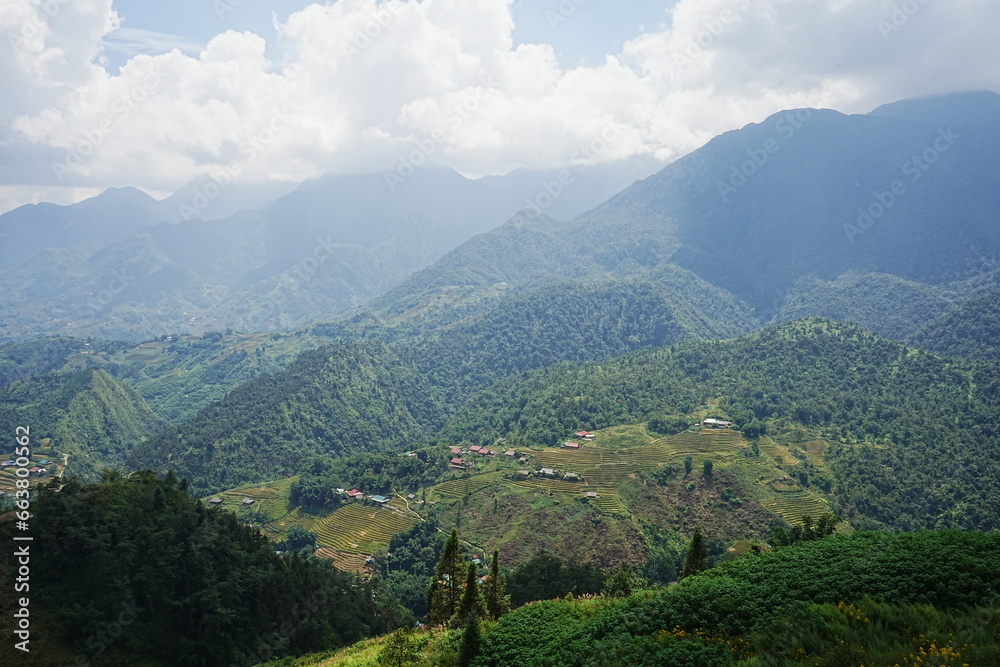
775	214
796	323
125	265
759	209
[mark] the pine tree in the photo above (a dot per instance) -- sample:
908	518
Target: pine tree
697	556
497	602
446	588
471	602
470	641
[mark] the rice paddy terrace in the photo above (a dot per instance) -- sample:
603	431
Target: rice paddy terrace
348	535
622	452
356	530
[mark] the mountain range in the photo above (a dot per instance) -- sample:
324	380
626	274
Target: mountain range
123	265
796	323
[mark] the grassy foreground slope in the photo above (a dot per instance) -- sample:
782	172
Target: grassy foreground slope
867	598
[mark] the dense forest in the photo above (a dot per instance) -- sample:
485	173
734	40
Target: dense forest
340	399
972	330
191	584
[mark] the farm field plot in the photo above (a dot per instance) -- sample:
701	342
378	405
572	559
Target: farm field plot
555	485
722	444
793	506
612	473
360	529
345	562
569	460
459	487
814	449
270	499
8	480
776	452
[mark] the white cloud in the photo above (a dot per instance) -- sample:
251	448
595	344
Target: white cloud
357	84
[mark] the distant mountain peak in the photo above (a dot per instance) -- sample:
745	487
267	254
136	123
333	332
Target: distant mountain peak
960	109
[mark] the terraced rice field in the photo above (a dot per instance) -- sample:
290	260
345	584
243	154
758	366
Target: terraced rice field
814	450
793	506
612	473
457	488
360	529
776	452
555	485
570	460
606	500
346	562
270	499
8	480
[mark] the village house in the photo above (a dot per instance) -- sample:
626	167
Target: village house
457	463
546	471
572	476
381	500
247	501
510	452
711	422
456	451
354	493
216	500
571	445
591	494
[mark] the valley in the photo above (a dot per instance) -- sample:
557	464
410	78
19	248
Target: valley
716	412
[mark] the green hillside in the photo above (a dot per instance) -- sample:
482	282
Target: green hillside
572	322
971	330
134	571
338	399
88	415
900	422
872	301
869	598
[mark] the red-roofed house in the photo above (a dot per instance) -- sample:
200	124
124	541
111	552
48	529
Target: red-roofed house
354	493
457	463
571	445
475	448
456	450
582	434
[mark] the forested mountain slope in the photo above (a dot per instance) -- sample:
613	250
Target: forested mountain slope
88	414
806	193
338	399
573	322
971	330
916	443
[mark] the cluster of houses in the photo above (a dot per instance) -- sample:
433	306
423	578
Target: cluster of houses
457	453
355	494
552	473
36	470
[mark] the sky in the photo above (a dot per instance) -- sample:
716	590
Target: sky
103	93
